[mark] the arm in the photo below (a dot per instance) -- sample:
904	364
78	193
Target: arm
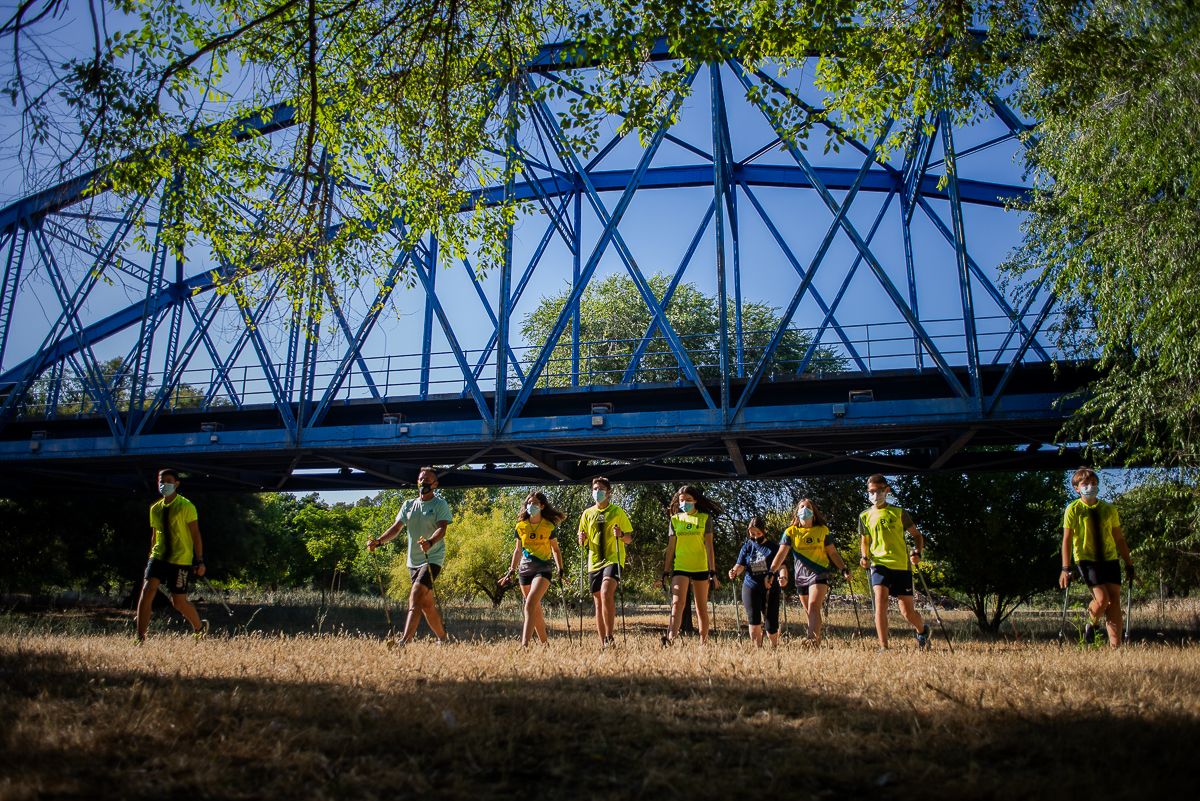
780	557
506	579
558	560
198	547
438	534
864	548
392	532
836	557
919	542
669	558
1122	548
712	559
1064	578
738	568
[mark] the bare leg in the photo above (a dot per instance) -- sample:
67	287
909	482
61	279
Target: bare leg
700	591
908	608
534	617
526	623
432	616
608	602
679	587
145	605
816	597
181	603
1115	617
881	614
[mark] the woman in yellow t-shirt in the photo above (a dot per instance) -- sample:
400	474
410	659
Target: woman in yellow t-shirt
534	558
689	559
808	540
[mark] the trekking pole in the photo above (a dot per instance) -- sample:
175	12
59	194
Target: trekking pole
854	600
933	608
213	590
387	613
620	579
783	599
737	604
1062	626
712	606
562	595
666	638
581	596
1128	605
621	592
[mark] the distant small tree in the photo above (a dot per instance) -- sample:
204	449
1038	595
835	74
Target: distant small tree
995	536
331	537
479	545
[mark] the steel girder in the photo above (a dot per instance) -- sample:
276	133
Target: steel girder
253	407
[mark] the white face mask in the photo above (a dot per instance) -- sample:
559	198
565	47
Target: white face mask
805	513
166	489
686	506
877	497
533	509
1089	491
599	495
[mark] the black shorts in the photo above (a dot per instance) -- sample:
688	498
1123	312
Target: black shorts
760	602
694	575
1096	573
898	582
528	571
598	576
425	574
173	577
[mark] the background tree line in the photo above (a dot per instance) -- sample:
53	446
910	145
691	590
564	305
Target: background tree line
993	538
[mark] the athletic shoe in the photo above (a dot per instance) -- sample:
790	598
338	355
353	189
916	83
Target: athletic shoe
138	640
200	633
923	638
1089	634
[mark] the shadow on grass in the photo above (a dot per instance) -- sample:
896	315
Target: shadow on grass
76	732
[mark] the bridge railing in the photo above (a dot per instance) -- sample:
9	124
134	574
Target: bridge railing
856	349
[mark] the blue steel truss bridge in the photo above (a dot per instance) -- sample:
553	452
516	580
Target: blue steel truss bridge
891	346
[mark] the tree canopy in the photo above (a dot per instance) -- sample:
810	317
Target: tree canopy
401	110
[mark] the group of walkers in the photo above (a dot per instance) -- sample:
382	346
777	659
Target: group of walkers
1092	539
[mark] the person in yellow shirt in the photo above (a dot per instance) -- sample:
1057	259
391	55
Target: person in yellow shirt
176	551
689	557
1092	534
605	532
881	528
816	556
535	556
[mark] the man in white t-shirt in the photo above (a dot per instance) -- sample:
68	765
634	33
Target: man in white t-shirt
426	517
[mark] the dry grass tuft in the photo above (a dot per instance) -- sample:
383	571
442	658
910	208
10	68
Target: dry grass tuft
92	716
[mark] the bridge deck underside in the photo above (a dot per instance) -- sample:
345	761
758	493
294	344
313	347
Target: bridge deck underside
808	426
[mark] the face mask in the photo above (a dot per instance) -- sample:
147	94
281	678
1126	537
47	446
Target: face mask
1089	490
425	487
599	495
533	509
687	506
877	497
166	490
806	513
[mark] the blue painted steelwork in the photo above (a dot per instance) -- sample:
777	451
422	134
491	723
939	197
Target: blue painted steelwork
312	400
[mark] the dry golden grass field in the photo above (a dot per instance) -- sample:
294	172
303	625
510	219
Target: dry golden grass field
87	714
